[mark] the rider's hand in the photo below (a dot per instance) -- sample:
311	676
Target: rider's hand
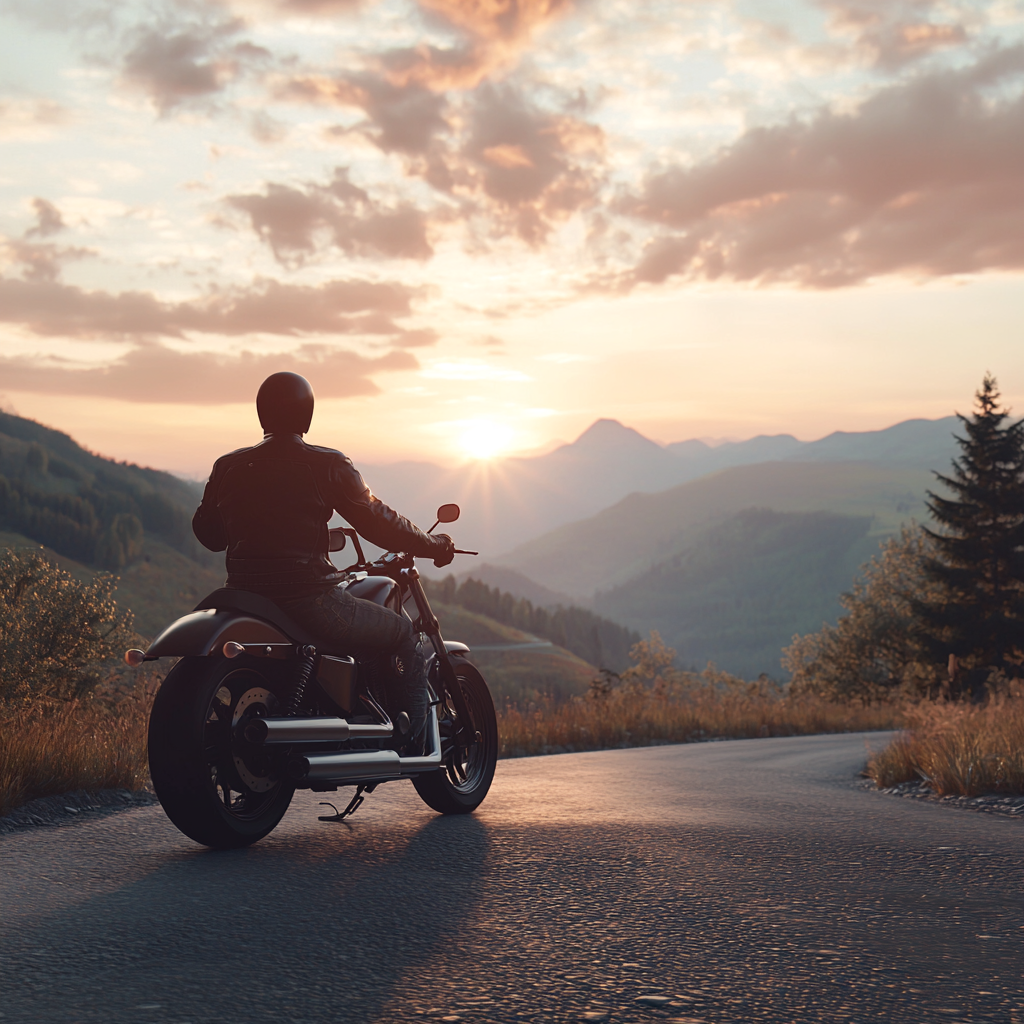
445	550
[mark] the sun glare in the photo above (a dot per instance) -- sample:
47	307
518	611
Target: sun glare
486	439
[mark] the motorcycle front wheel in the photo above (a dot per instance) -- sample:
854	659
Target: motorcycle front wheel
215	788
461	783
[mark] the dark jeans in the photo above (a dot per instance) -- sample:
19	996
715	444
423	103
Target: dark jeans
347	624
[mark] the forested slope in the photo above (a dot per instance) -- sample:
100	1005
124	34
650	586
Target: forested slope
738	594
85	507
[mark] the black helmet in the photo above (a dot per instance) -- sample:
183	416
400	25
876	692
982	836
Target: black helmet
285	404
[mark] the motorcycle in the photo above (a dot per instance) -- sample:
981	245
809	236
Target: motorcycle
255	709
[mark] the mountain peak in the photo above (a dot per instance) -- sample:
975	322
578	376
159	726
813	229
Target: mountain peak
611	434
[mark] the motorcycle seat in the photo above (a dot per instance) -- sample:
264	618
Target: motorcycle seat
260	606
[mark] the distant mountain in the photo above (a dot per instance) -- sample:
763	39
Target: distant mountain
913	442
644	530
510	501
738	593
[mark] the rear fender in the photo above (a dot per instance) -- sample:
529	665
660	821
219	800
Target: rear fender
205	632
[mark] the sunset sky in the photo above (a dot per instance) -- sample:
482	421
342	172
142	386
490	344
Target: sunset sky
479	225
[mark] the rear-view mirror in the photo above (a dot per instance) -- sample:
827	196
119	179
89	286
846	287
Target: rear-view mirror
336	539
448	513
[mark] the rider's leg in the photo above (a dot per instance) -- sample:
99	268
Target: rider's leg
349	622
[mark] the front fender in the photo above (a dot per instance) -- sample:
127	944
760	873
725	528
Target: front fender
205	632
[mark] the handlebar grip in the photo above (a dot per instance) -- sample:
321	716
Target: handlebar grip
459	551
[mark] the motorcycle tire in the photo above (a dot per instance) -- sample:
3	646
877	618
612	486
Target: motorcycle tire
461	783
216	789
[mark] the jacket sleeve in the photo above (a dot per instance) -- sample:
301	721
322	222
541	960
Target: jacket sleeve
372	519
207	524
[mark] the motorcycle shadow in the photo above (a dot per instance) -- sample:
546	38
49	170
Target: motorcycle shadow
331	925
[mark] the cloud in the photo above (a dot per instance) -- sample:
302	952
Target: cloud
537	167
489	35
892	33
401	118
41	261
493	33
295	221
497	151
155	373
925	178
25	120
48	219
497	19
343	307
188	64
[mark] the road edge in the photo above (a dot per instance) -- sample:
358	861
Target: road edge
66	808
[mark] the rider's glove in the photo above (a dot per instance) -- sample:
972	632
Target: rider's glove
444	551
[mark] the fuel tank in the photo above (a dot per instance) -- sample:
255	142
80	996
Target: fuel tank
379	589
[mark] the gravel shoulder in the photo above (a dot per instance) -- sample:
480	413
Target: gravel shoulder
71	807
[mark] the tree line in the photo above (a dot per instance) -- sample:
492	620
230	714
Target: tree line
599	641
941	609
98	517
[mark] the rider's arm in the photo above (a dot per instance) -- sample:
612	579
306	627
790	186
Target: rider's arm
378	523
207	524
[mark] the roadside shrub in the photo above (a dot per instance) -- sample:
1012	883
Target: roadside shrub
876	649
49	748
56	632
652	703
959	749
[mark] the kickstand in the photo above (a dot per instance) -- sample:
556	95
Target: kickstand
353	806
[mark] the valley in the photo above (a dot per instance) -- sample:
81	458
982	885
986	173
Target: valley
727	550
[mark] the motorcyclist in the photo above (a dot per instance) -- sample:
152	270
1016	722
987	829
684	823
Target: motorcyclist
269	506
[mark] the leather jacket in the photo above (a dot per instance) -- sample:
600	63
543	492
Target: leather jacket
269	506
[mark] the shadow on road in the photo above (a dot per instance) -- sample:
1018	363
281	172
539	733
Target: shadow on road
315	926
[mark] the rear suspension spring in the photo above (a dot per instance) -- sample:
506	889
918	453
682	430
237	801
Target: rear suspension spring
297	697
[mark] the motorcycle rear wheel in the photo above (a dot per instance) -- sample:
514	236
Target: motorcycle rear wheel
461	783
215	788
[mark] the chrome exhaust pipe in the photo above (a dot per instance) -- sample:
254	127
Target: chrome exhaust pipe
357	765
313	730
351	767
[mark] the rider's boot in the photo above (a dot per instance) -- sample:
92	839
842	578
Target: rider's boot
415	698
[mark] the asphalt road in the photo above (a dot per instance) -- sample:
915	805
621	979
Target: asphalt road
741	881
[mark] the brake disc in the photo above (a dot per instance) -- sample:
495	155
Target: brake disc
257	777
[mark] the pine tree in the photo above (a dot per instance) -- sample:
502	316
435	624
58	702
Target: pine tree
979	550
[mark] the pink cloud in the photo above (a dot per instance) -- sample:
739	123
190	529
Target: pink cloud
535	166
892	33
155	373
179	65
924	178
293	221
50	307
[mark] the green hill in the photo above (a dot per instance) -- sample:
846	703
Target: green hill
644	530
514	674
738	594
160	585
94	510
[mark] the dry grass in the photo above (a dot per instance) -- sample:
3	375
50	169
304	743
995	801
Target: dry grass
637	717
958	749
88	744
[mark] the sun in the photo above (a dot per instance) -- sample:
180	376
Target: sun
485	439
